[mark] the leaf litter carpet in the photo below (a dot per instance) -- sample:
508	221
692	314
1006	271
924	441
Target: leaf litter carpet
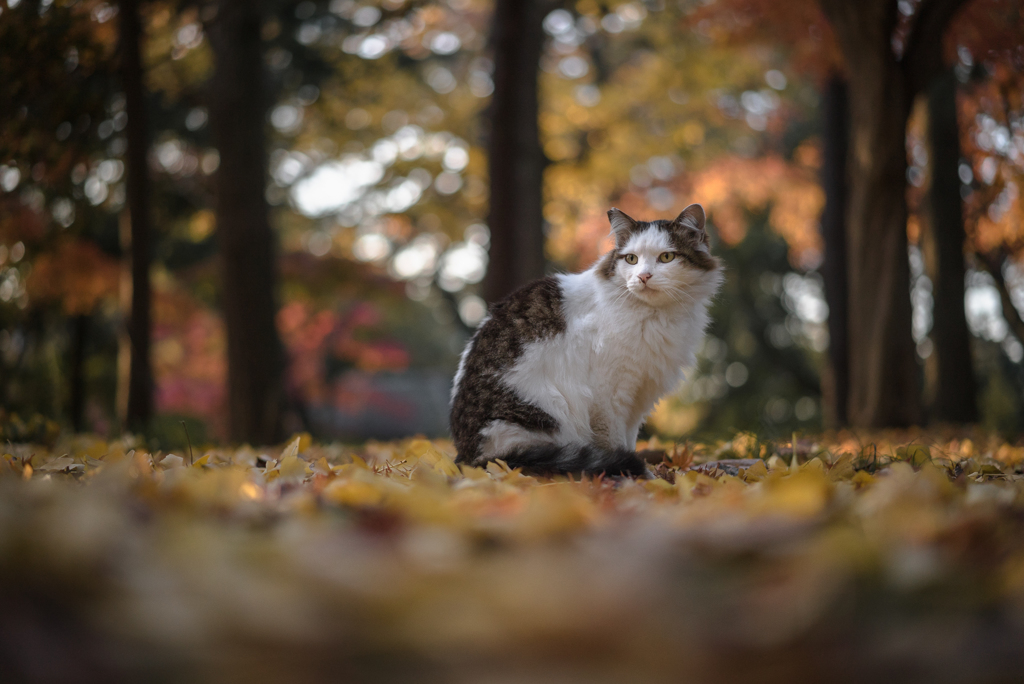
882	557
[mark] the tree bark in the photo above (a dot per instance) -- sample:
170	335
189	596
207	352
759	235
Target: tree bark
139	408
516	160
76	371
955	389
247	249
835	134
884	374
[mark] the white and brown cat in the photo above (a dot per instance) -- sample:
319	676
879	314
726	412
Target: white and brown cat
562	373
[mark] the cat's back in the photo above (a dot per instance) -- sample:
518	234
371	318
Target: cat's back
534	312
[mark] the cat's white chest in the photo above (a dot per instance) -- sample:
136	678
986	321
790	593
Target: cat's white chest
602	375
634	356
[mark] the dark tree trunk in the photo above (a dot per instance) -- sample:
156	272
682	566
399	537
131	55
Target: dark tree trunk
955	390
884	374
139	407
76	371
835	133
247	250
516	160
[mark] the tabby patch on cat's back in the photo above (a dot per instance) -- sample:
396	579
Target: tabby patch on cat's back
561	374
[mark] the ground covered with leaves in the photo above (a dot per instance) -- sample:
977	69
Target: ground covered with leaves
857	558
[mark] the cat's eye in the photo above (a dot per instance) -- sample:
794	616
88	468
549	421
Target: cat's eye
630	258
666	257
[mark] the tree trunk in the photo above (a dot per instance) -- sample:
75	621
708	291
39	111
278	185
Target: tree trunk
247	250
955	390
884	384
835	133
139	408
76	371
516	160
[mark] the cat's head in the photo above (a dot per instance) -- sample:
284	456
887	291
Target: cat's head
662	262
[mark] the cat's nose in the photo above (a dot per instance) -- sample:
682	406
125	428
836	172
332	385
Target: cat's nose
644	277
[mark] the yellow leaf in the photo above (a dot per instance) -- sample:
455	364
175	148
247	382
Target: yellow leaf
862	478
141	465
473	473
292	450
447	466
292	467
842	468
304	439
97	450
814	464
346	492
322	467
659	486
428	475
429	454
916	454
803	493
57	463
171	461
498	468
201	461
754	473
553	509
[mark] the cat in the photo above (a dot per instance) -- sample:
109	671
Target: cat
561	374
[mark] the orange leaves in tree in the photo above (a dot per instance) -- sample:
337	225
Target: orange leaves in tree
76	274
792	196
799	26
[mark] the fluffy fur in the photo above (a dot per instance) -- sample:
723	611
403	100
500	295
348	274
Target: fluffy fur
562	373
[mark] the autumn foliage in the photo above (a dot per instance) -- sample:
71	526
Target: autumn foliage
383	561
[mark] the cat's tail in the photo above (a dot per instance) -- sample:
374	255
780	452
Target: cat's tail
576	458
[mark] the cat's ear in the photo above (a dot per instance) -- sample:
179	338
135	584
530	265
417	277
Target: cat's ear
693	217
622	225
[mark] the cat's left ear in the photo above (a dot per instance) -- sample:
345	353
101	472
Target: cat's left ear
693	217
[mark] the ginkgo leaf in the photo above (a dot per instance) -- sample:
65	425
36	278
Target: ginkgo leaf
292	467
344	492
428	556
292	450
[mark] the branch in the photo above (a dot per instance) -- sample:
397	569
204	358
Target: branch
993	263
922	57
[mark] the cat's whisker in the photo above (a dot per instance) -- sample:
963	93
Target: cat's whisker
684	293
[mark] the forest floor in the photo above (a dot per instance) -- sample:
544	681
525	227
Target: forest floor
881	557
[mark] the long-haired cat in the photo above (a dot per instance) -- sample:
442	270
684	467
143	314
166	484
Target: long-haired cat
562	373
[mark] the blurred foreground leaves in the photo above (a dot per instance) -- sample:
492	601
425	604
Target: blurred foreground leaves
857	558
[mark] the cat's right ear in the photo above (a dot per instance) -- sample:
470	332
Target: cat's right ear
622	225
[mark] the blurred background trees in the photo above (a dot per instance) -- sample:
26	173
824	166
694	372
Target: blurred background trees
337	188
